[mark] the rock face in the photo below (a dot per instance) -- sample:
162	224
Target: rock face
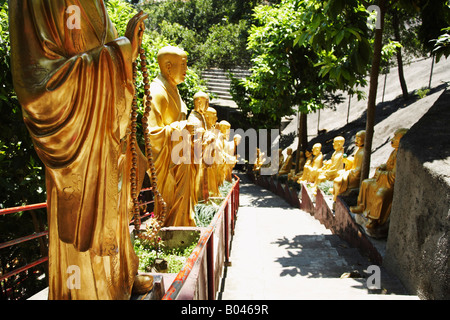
418	244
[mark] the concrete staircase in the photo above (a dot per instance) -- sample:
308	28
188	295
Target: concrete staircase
218	81
279	252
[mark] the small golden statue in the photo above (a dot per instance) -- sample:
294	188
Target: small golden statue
198	120
302	161
229	150
210	153
236	141
311	170
331	167
376	194
349	178
76	88
287	165
259	162
222	156
197	116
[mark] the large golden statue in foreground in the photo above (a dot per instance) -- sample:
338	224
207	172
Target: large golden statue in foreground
75	84
376	194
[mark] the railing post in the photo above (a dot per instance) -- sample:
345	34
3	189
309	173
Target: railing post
210	266
226	231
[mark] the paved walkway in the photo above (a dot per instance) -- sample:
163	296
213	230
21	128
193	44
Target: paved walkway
281	253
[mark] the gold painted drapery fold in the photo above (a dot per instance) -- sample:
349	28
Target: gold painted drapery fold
75	87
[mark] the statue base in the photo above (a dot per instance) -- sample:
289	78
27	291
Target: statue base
379	232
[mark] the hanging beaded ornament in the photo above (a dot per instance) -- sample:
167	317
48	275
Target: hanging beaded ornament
156	224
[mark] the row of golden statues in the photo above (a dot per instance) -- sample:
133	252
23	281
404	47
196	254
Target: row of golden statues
183	182
374	195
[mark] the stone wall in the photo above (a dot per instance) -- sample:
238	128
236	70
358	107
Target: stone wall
418	244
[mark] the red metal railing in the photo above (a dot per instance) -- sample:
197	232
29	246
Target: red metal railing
23	239
206	242
37	235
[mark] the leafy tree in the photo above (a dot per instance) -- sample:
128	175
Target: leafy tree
302	53
213	32
281	80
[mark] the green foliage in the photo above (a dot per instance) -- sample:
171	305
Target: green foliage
338	31
204	213
442	45
120	13
325	187
422	92
285	77
149	252
22	182
213	32
21	170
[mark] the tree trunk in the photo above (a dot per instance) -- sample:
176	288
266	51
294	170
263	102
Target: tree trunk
401	75
371	104
302	138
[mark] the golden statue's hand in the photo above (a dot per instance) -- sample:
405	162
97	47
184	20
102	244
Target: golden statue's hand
191	128
135	32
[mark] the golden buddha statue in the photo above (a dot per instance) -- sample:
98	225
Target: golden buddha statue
167	123
210	154
223	137
302	161
349	177
260	159
232	151
331	167
76	87
201	104
287	165
198	120
376	194
311	170
229	150
280	159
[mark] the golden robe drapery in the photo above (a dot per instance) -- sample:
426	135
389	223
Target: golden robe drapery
75	87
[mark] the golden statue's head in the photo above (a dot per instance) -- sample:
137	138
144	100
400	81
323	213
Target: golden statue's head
398	135
338	143
360	138
210	117
224	127
201	102
173	64
237	139
316	149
